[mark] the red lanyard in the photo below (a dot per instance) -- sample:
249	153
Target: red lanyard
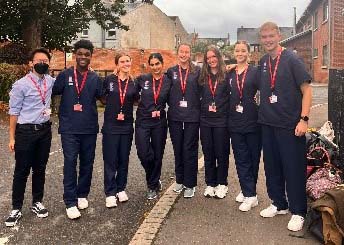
241	84
157	93
83	82
212	89
44	94
121	92
273	76
183	81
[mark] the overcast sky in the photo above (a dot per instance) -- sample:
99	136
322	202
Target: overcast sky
216	18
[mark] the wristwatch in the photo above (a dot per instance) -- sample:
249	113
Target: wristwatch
304	118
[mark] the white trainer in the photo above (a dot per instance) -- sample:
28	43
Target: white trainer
209	191
272	211
296	223
178	188
240	197
221	191
82	203
248	203
73	212
111	202
122	196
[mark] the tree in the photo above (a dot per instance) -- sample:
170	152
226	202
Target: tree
54	23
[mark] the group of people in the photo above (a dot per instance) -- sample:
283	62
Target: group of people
214	103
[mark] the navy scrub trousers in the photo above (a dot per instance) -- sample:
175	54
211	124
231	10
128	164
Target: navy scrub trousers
150	145
184	137
116	150
247	150
285	155
74	145
214	142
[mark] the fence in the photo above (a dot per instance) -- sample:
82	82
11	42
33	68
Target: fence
336	107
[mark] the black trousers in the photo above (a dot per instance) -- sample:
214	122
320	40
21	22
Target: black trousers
247	150
150	145
285	168
116	150
184	137
74	146
216	155
32	149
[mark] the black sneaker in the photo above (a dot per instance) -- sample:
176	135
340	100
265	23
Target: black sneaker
151	194
12	220
39	210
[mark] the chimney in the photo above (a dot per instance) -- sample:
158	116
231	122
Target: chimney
294	29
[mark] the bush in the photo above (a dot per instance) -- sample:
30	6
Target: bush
13	53
8	75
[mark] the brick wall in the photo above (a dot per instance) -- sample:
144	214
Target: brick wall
103	59
304	50
337	20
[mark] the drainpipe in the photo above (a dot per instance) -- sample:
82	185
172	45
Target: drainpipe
294	30
329	36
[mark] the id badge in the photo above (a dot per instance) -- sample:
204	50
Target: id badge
239	108
273	99
155	113
120	117
183	103
77	107
47	112
212	107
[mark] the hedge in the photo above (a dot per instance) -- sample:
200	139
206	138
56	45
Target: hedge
8	75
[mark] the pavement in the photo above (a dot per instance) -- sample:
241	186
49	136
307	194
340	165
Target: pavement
203	220
169	220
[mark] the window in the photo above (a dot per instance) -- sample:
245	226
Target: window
325	56
315	53
111	33
325	11
315	26
84	33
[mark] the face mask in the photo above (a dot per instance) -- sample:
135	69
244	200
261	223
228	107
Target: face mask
41	68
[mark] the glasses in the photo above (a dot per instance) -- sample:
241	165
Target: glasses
41	61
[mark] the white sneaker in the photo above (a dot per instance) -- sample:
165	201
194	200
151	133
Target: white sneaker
111	202
82	203
178	188
73	212
209	191
221	191
272	211
296	223
248	203
189	192
122	196
240	197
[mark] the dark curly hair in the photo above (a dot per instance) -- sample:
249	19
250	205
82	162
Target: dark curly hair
86	44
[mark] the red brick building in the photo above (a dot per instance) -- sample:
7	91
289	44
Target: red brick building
319	38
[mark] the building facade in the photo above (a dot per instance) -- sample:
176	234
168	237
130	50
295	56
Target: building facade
149	28
319	38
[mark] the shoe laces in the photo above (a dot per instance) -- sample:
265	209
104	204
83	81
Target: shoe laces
296	218
14	213
39	205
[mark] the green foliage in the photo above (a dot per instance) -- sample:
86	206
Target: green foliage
199	47
8	75
54	23
13	53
